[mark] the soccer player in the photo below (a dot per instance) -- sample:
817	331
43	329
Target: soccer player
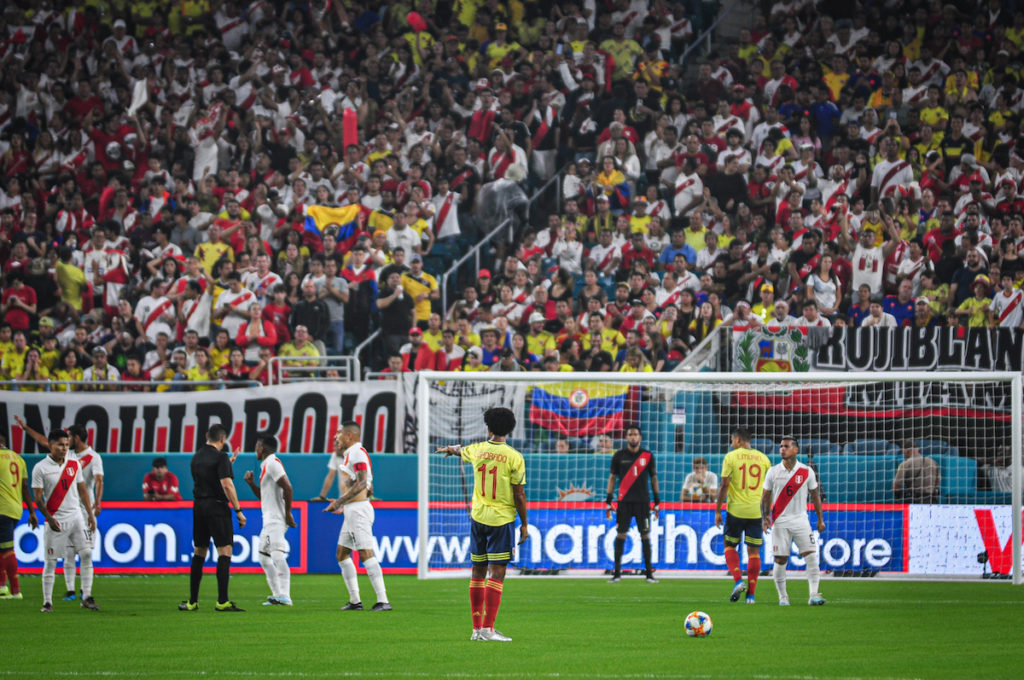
275	494
784	509
355	473
59	492
743	473
498	494
13	490
633	467
91	475
213	492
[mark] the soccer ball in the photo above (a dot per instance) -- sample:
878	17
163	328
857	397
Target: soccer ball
698	624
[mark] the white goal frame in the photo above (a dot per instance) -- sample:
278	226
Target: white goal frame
423	423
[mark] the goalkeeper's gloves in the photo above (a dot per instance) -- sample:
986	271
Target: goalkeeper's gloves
608	500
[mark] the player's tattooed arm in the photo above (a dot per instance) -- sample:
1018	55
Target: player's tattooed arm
357	487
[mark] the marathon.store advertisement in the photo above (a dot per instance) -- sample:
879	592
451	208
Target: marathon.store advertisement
937	540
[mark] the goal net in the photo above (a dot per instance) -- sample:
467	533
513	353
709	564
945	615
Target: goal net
949	512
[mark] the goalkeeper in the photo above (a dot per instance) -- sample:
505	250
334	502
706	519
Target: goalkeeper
499	478
633	466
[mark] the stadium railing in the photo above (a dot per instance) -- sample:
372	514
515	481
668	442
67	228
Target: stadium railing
475	252
343	367
366	344
704	39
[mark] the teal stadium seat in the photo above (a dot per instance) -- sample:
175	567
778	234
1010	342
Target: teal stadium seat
819	447
769	447
872	447
930	447
959	474
857	478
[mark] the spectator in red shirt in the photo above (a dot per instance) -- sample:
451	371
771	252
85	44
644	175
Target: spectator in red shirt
18	304
160	484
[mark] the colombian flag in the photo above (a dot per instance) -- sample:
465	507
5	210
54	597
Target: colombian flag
319	217
579	410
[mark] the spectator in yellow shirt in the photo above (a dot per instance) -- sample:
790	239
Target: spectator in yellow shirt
474	360
302	346
607	339
976	308
203	370
211	252
421	287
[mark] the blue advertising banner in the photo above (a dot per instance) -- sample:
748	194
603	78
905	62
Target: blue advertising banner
157	538
577	536
140	538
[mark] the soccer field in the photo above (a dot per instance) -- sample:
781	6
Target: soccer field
561	628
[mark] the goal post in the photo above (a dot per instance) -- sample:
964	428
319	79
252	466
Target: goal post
961	429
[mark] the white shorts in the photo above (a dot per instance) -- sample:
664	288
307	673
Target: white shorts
357	529
784	535
272	538
73	534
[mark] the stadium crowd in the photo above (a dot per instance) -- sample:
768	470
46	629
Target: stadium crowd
189	189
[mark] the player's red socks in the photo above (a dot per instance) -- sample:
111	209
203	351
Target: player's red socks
9	567
476	601
732	560
492	600
753	571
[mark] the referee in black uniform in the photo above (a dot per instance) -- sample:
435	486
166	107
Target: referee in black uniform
633	466
215	499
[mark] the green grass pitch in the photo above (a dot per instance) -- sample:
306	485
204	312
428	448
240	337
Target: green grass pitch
562	628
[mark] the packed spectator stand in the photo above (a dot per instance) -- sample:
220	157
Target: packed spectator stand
192	189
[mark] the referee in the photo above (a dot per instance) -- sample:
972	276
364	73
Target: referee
633	466
215	498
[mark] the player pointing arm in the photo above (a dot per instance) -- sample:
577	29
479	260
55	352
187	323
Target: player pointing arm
499	494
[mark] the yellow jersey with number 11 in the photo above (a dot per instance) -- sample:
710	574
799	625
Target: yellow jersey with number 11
496	468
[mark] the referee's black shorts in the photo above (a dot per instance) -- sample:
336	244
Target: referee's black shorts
211	519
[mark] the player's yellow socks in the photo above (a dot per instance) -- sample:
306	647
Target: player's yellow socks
492	601
476	601
732	561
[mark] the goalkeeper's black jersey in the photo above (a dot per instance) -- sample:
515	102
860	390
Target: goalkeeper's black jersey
622	463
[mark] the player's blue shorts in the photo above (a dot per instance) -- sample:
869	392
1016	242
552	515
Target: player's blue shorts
7	525
749	528
489	544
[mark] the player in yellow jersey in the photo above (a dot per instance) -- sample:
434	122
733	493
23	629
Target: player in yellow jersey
14	490
743	473
499	478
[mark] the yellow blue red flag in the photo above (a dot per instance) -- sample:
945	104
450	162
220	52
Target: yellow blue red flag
319	217
580	409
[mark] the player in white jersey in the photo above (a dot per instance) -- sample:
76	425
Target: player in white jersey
784	511
275	494
59	493
352	465
91	474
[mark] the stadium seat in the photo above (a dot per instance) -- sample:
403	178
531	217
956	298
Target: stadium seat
819	447
930	447
766	446
959	474
874	447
